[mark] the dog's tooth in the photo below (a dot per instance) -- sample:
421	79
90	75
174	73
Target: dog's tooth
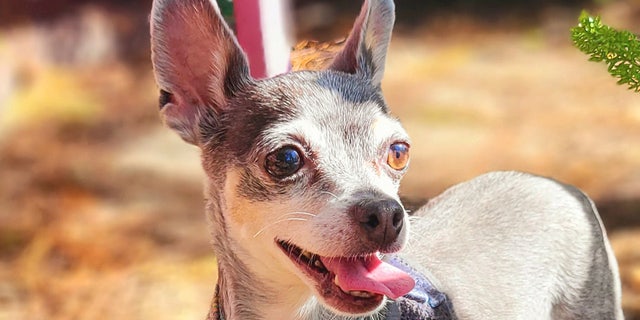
361	294
307	254
336	281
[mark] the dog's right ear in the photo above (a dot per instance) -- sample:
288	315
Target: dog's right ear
197	63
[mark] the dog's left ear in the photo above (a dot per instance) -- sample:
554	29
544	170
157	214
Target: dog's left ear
366	48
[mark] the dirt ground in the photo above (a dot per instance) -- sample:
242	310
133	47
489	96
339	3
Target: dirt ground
101	212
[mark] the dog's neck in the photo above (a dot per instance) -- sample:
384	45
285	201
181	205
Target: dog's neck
248	298
242	293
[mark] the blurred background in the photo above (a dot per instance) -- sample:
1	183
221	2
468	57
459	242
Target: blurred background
101	210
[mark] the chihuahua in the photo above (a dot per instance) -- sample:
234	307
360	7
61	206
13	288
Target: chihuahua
302	175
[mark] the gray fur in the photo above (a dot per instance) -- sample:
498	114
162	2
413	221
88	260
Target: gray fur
599	296
509	245
502	246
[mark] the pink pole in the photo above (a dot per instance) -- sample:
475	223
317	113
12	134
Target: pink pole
262	27
249	32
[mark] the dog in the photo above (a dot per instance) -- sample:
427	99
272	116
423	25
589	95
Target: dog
302	175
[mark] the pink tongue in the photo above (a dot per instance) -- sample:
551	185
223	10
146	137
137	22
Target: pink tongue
370	274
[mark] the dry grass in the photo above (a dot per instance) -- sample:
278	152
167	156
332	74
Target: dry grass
101	213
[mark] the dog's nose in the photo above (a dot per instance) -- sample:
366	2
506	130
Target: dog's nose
380	219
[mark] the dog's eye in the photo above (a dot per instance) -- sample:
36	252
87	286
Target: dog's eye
398	156
283	162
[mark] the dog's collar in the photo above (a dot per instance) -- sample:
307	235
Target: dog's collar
216	312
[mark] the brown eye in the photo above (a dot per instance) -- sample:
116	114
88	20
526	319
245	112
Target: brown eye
398	157
283	162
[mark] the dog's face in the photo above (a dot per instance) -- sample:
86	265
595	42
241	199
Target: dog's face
312	175
304	167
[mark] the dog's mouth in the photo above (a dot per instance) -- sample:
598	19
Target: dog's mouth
353	285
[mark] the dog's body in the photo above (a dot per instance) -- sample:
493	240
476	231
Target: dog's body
508	245
302	180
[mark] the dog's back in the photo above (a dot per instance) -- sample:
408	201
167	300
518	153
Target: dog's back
509	245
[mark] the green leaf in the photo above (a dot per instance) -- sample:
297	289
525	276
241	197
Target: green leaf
226	8
620	50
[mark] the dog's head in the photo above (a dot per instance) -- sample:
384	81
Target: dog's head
303	168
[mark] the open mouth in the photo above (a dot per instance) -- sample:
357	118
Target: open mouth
353	285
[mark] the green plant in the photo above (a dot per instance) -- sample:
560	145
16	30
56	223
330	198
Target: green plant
620	50
226	8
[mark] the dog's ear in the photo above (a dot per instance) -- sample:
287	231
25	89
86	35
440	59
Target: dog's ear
366	48
197	62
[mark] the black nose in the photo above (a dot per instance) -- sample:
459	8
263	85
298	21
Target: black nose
381	220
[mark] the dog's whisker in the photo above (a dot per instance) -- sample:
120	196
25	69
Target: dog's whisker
276	222
331	194
298	213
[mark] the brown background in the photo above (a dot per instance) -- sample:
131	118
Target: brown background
101	208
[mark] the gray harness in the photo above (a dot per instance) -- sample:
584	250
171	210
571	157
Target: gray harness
424	302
